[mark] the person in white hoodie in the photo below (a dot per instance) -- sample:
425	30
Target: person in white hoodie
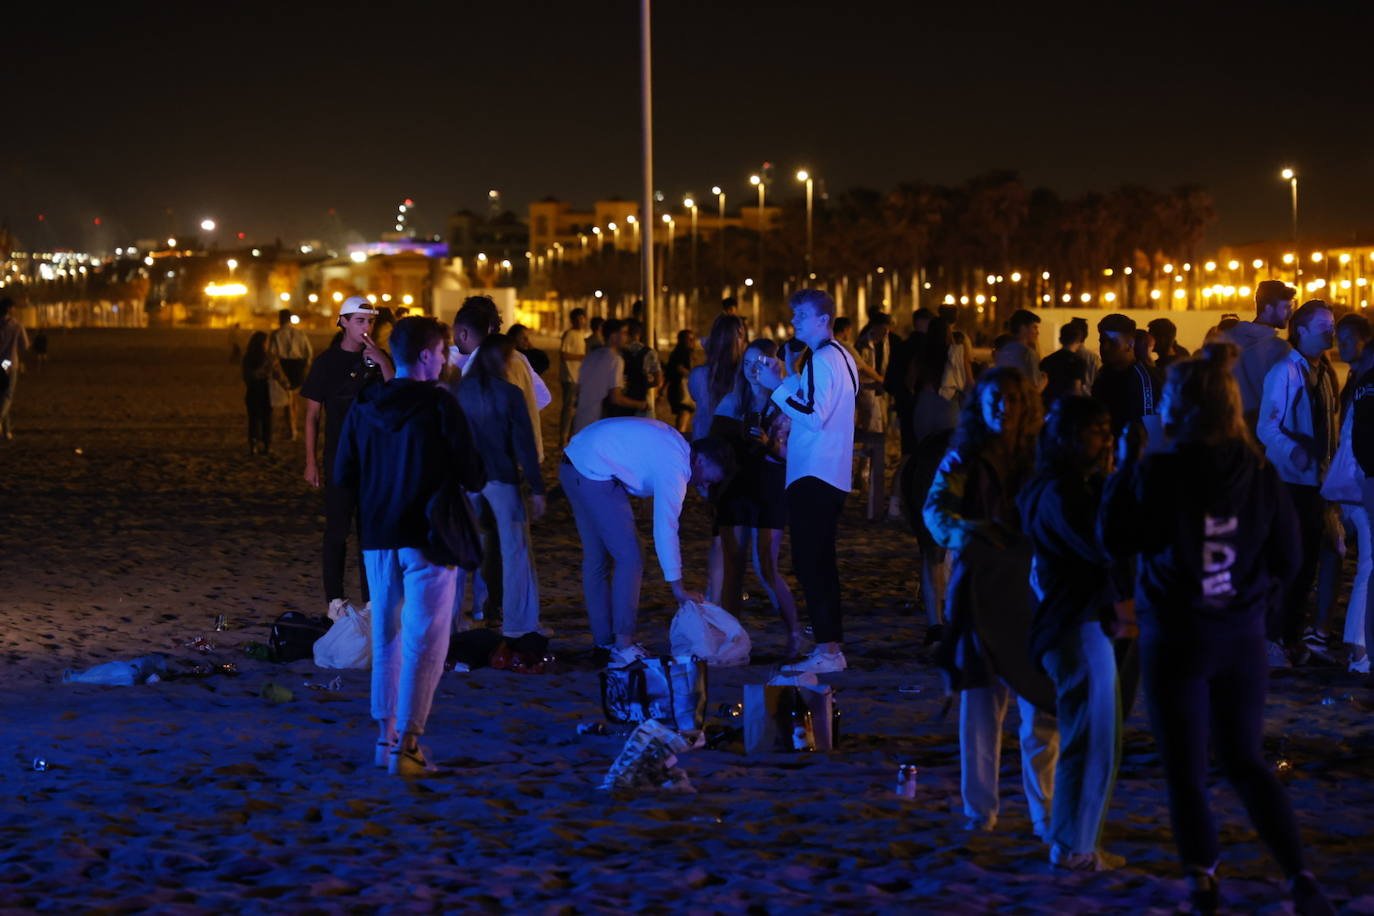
1298	427
1259	343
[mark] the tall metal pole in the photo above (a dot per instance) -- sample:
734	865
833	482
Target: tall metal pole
1297	251
646	250
810	237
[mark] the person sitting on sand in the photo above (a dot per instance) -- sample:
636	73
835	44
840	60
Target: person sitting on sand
1214	531
603	466
399	444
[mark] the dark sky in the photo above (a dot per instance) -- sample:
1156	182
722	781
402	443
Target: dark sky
267	119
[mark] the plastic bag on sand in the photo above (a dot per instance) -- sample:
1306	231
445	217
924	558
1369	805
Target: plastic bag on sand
649	760
348	644
146	670
709	632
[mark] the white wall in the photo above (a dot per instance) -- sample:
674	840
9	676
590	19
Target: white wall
1192	325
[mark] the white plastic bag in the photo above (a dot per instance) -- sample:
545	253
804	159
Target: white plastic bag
348	644
710	633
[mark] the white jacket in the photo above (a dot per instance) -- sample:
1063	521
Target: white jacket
1285	420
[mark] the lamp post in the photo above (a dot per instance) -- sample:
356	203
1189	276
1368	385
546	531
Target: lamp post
805	176
720	206
1291	176
634	228
615	235
758	182
668	260
690	203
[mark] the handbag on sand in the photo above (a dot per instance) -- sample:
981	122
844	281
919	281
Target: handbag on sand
293	636
669	689
710	633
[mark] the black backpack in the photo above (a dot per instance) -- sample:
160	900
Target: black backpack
294	634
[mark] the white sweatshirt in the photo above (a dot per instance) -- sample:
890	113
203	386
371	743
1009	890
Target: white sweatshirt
820	401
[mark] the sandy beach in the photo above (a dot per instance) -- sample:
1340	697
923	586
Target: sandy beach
132	515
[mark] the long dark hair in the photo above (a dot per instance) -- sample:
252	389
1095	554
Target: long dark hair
1013	450
256	353
724	348
1064	427
928	364
492	359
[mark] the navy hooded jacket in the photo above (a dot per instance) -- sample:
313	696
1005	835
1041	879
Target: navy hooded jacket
399	443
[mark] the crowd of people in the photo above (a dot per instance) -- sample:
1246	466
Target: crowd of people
1082	518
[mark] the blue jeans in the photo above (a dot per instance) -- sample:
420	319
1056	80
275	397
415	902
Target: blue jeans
412	615
511	548
1088	706
612	562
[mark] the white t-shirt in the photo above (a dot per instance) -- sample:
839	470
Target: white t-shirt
650	459
602	371
574	341
820	402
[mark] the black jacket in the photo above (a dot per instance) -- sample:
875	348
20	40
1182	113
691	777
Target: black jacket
1072	577
501	430
399	442
1216	534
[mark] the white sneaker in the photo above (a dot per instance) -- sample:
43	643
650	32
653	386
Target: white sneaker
817	662
627	656
1361	666
1277	655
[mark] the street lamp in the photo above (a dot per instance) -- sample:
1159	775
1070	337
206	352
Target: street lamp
1290	176
691	205
758	182
720	206
634	224
805	176
668	254
615	234
208	225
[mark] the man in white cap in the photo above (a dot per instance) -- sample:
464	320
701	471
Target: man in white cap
352	363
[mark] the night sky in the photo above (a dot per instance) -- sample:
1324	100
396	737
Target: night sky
266	121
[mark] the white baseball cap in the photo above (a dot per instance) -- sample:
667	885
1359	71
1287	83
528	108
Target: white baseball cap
356	305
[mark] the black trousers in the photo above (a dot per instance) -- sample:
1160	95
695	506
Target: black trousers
1287	622
258	400
1197	689
813	512
340	514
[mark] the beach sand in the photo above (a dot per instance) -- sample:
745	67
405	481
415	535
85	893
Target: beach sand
133	515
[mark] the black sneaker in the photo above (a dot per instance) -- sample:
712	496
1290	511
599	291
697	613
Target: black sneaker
934	634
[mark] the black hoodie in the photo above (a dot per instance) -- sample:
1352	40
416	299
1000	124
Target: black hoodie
398	444
1216	535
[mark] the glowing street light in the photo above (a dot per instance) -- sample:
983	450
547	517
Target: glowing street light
208	225
804	176
690	203
231	264
758	182
1291	176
